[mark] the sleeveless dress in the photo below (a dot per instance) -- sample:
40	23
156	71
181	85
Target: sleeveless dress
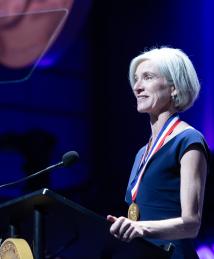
158	195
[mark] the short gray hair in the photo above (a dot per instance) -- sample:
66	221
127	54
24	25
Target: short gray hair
178	70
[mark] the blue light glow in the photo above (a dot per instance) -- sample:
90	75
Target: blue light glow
207	69
47	62
205	252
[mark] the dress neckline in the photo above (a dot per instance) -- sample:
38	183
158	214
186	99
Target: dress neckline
177	135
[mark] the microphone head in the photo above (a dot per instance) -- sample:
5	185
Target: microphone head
70	158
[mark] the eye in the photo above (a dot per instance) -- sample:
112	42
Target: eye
135	79
148	77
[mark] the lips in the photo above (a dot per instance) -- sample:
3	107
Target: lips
142	96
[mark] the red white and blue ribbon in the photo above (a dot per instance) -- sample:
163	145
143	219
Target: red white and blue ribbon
167	129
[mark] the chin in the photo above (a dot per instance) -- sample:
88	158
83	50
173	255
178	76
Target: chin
143	107
142	110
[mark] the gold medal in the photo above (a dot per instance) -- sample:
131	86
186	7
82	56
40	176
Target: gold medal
15	248
133	212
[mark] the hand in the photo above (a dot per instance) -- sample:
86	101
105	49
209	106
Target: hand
125	229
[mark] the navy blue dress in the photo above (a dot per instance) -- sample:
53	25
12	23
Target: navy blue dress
158	195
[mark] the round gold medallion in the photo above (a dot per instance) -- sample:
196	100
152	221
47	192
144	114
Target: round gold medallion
133	212
15	248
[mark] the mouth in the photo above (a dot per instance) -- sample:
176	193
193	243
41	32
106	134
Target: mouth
142	97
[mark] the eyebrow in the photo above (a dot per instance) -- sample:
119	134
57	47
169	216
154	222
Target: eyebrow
146	73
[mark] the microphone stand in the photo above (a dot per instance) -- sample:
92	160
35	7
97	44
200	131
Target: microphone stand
47	169
68	159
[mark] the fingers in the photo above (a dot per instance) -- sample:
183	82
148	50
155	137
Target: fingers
122	228
128	236
111	218
115	227
125	229
133	234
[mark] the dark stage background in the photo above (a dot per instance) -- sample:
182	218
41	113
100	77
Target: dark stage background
77	96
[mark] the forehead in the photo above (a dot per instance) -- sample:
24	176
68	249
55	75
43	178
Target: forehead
147	66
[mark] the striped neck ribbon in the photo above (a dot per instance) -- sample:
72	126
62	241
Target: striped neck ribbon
166	130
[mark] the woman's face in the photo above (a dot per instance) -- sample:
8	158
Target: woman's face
151	90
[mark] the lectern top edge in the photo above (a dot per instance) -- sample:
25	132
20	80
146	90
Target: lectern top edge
43	199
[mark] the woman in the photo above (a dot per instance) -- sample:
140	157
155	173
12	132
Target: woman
166	186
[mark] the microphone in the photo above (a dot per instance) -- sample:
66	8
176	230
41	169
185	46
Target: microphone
68	159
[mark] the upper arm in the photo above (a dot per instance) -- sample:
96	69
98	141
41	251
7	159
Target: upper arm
193	177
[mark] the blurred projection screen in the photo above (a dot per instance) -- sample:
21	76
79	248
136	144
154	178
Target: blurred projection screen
25	38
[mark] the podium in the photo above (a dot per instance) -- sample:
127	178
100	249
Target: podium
56	226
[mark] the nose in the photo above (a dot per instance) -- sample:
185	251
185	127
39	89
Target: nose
138	87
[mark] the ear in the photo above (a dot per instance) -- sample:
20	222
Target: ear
173	90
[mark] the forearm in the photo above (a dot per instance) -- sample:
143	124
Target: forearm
175	228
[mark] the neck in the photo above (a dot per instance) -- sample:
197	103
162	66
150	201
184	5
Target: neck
157	122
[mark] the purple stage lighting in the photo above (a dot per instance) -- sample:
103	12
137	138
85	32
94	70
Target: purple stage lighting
205	252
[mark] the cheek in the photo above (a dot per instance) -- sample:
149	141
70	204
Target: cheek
164	92
161	96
